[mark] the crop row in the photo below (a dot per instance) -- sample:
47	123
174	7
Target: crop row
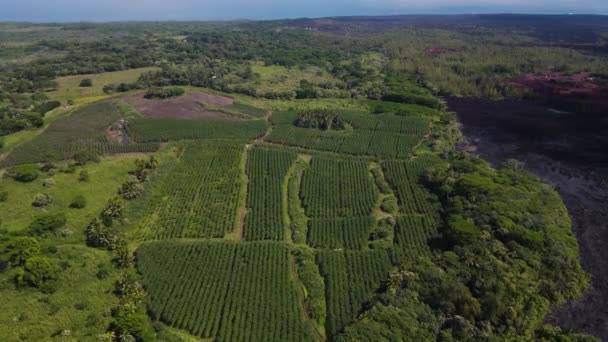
224	290
267	170
385	135
404	178
333	188
84	129
412	234
154	130
199	196
346	233
351	278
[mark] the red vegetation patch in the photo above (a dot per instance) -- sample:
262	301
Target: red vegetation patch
189	106
581	89
437	51
559	83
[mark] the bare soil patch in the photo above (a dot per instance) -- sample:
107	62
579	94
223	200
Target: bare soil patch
190	106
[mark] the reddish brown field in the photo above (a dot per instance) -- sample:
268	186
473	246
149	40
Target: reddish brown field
189	106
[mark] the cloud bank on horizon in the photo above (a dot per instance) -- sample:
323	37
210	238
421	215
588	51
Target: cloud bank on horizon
115	10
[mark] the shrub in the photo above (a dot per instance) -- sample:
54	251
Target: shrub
47	107
131	189
83	157
321	119
23	248
39	271
163	93
86	82
83	176
389	205
23	173
98	235
109	88
113	210
3	196
78	202
47	222
49	182
41	200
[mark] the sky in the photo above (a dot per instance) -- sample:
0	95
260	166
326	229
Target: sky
121	10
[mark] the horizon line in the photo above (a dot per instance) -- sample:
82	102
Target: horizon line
3	21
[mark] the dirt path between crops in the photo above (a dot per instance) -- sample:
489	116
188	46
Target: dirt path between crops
568	151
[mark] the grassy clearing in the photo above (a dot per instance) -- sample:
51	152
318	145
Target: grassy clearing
80	305
279	78
105	178
69	86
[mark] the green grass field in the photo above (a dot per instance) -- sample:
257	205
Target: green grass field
69	86
105	178
78	308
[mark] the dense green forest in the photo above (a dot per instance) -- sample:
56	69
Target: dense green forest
310	190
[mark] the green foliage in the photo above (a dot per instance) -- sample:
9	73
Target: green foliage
19	249
41	200
248	291
266	169
383	135
406	92
83	132
163	93
351	278
321	119
198	195
298	220
23	173
79	202
113	210
46	107
84	176
496	268
86	82
47	223
83	157
3	196
39	271
99	235
333	188
389	205
308	273
403	177
131	188
160	130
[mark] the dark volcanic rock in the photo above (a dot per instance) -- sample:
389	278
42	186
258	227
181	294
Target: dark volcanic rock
569	151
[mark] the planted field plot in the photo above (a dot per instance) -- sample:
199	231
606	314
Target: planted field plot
382	135
339	196
199	196
351	278
224	290
412	234
346	233
403	177
84	129
267	169
333	188
161	130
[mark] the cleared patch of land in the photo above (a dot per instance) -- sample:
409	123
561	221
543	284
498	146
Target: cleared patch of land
189	106
70	89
